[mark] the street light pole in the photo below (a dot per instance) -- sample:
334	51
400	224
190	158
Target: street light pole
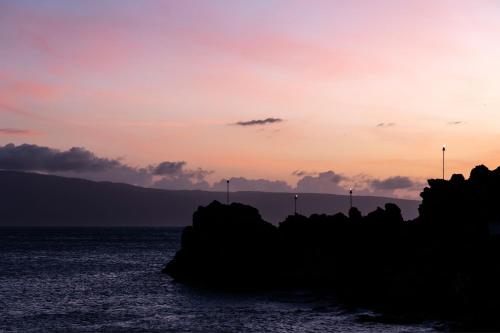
350	197
295	204
444	149
227	192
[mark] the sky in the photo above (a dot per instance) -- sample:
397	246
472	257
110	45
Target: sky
288	95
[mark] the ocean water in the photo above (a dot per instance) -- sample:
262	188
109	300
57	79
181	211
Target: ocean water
109	280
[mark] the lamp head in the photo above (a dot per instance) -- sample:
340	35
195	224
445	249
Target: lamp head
444	147
296	196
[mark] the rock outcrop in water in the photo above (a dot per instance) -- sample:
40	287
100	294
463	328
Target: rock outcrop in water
444	262
227	244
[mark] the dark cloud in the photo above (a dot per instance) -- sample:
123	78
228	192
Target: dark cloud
335	183
175	177
329	182
36	158
324	182
302	173
79	162
181	182
16	131
455	123
393	183
386	124
169	168
198	174
244	184
180	179
259	122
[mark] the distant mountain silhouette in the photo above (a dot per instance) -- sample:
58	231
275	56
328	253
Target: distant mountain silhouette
443	263
30	199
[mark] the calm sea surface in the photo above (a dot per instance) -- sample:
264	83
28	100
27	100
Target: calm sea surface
109	280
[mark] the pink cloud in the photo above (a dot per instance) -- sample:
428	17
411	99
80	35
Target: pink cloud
33	89
18	131
17	111
69	43
14	93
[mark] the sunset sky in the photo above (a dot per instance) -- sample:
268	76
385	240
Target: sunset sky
269	90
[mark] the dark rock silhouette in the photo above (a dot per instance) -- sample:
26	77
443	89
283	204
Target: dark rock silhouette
226	244
443	263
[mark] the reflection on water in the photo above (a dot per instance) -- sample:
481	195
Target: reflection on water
96	279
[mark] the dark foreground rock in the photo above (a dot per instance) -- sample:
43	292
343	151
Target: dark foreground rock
227	245
443	264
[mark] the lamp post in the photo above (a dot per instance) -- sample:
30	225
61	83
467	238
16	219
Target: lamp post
444	149
227	191
295	204
350	197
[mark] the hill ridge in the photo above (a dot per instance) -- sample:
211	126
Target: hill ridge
33	199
